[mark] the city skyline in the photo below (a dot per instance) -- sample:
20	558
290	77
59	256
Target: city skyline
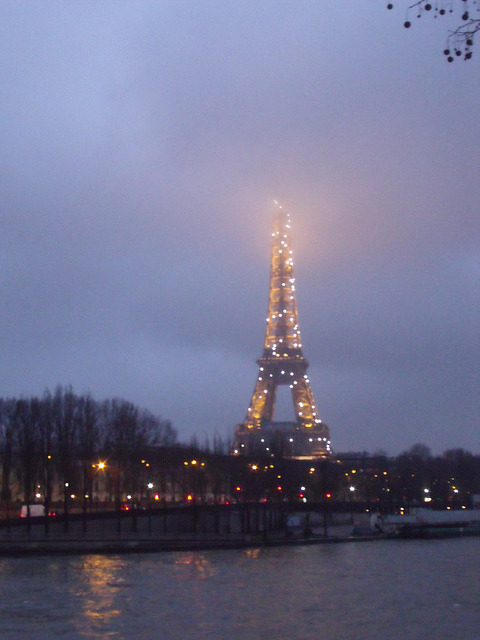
144	144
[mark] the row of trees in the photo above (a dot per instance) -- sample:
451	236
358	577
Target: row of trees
52	445
417	477
413	478
70	448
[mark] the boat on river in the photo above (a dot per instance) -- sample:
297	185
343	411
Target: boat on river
427	523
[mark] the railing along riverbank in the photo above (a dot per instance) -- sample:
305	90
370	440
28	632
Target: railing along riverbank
183	527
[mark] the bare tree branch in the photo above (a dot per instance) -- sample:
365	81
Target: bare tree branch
460	40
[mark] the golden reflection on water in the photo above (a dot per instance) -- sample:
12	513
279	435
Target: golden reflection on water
195	563
99	579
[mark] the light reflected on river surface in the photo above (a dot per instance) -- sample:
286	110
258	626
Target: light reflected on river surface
193	565
99	581
400	590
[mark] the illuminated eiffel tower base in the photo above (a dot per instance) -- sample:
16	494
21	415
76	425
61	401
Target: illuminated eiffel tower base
282	363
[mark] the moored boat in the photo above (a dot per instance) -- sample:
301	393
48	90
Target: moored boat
427	523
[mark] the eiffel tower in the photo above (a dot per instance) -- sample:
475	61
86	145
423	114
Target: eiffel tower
282	363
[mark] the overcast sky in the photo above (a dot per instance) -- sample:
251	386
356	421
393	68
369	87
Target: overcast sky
142	146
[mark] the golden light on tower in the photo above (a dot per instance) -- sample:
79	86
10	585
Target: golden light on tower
282	363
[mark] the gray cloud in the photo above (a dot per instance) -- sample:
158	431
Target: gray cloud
142	145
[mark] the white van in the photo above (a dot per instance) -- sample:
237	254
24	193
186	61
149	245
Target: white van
35	510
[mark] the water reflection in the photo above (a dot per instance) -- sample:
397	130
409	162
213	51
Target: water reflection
194	565
378	590
100	578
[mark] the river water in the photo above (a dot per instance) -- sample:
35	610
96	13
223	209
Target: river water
395	590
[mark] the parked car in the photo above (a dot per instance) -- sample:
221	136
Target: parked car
36	510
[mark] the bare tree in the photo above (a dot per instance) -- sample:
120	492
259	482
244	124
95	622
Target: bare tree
46	449
87	436
156	430
460	39
124	444
27	416
7	428
64	422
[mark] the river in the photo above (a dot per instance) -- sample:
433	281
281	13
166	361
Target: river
395	590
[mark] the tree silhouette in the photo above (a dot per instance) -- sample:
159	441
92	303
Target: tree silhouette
460	39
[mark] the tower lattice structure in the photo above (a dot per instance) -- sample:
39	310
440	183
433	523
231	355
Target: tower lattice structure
282	363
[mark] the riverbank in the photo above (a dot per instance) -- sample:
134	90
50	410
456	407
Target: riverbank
66	546
177	528
199	528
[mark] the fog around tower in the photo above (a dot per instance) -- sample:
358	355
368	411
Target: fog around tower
143	144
